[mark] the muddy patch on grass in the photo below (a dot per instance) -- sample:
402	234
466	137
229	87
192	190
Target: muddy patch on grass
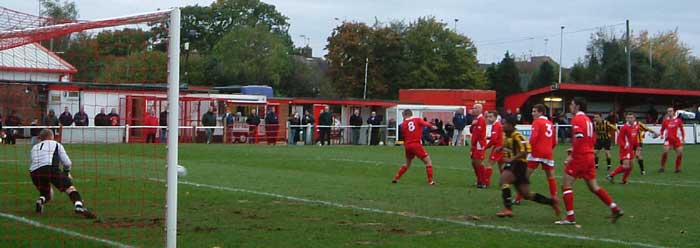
130	222
205	229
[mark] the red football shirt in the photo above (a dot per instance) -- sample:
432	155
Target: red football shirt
478	132
496	137
542	138
671	126
627	137
583	136
412	129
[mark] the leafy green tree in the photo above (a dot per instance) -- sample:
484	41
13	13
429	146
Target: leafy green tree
544	76
348	49
59	12
251	55
505	79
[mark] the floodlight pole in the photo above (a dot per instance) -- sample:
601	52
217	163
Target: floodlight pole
173	126
364	94
561	51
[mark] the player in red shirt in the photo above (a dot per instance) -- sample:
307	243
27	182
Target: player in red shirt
627	139
478	142
671	125
496	144
580	163
543	140
412	129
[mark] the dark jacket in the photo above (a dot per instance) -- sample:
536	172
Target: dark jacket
113	119
376	120
13	120
355	120
81	119
228	119
253	120
308	119
66	119
163	118
295	121
34	131
325	119
209	119
271	118
50	120
460	121
101	120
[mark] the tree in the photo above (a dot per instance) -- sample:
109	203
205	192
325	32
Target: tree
348	50
505	79
59	12
544	76
251	55
204	26
440	58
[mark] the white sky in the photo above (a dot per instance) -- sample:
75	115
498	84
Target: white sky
486	22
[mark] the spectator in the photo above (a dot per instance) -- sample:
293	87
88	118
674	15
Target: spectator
427	137
518	116
113	118
66	119
460	122
150	120
50	120
34	132
2	133
81	118
307	121
325	121
294	123
374	120
101	119
272	125
228	119
253	121
209	120
163	122
356	122
12	120
449	132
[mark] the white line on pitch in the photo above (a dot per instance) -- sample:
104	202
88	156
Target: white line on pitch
61	230
466	169
421	217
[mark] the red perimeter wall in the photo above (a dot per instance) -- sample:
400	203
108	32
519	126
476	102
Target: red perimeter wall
450	97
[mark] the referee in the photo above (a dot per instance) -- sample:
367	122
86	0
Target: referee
44	170
603	130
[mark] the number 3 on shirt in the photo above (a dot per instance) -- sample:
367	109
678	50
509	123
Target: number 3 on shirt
548	132
411	126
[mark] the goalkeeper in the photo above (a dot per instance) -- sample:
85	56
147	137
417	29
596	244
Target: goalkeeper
44	170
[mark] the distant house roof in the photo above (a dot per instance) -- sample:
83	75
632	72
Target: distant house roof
33	58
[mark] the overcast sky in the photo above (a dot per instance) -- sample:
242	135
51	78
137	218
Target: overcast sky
492	25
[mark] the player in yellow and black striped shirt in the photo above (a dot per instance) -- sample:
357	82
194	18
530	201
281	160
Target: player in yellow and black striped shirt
641	130
515	150
603	131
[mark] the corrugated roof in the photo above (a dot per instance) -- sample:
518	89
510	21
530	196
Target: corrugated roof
33	58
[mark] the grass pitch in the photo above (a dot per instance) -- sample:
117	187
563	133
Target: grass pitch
310	196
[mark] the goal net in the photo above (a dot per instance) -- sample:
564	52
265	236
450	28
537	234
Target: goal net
102	87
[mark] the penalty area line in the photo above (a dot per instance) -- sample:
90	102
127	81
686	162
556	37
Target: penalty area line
420	217
63	231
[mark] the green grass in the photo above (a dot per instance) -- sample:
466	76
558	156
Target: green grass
309	196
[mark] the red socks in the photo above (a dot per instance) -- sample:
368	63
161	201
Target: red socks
617	170
603	195
487	175
679	159
628	171
663	160
552	187
479	172
400	173
569	203
518	197
429	172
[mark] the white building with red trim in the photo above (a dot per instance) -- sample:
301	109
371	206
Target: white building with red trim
33	62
